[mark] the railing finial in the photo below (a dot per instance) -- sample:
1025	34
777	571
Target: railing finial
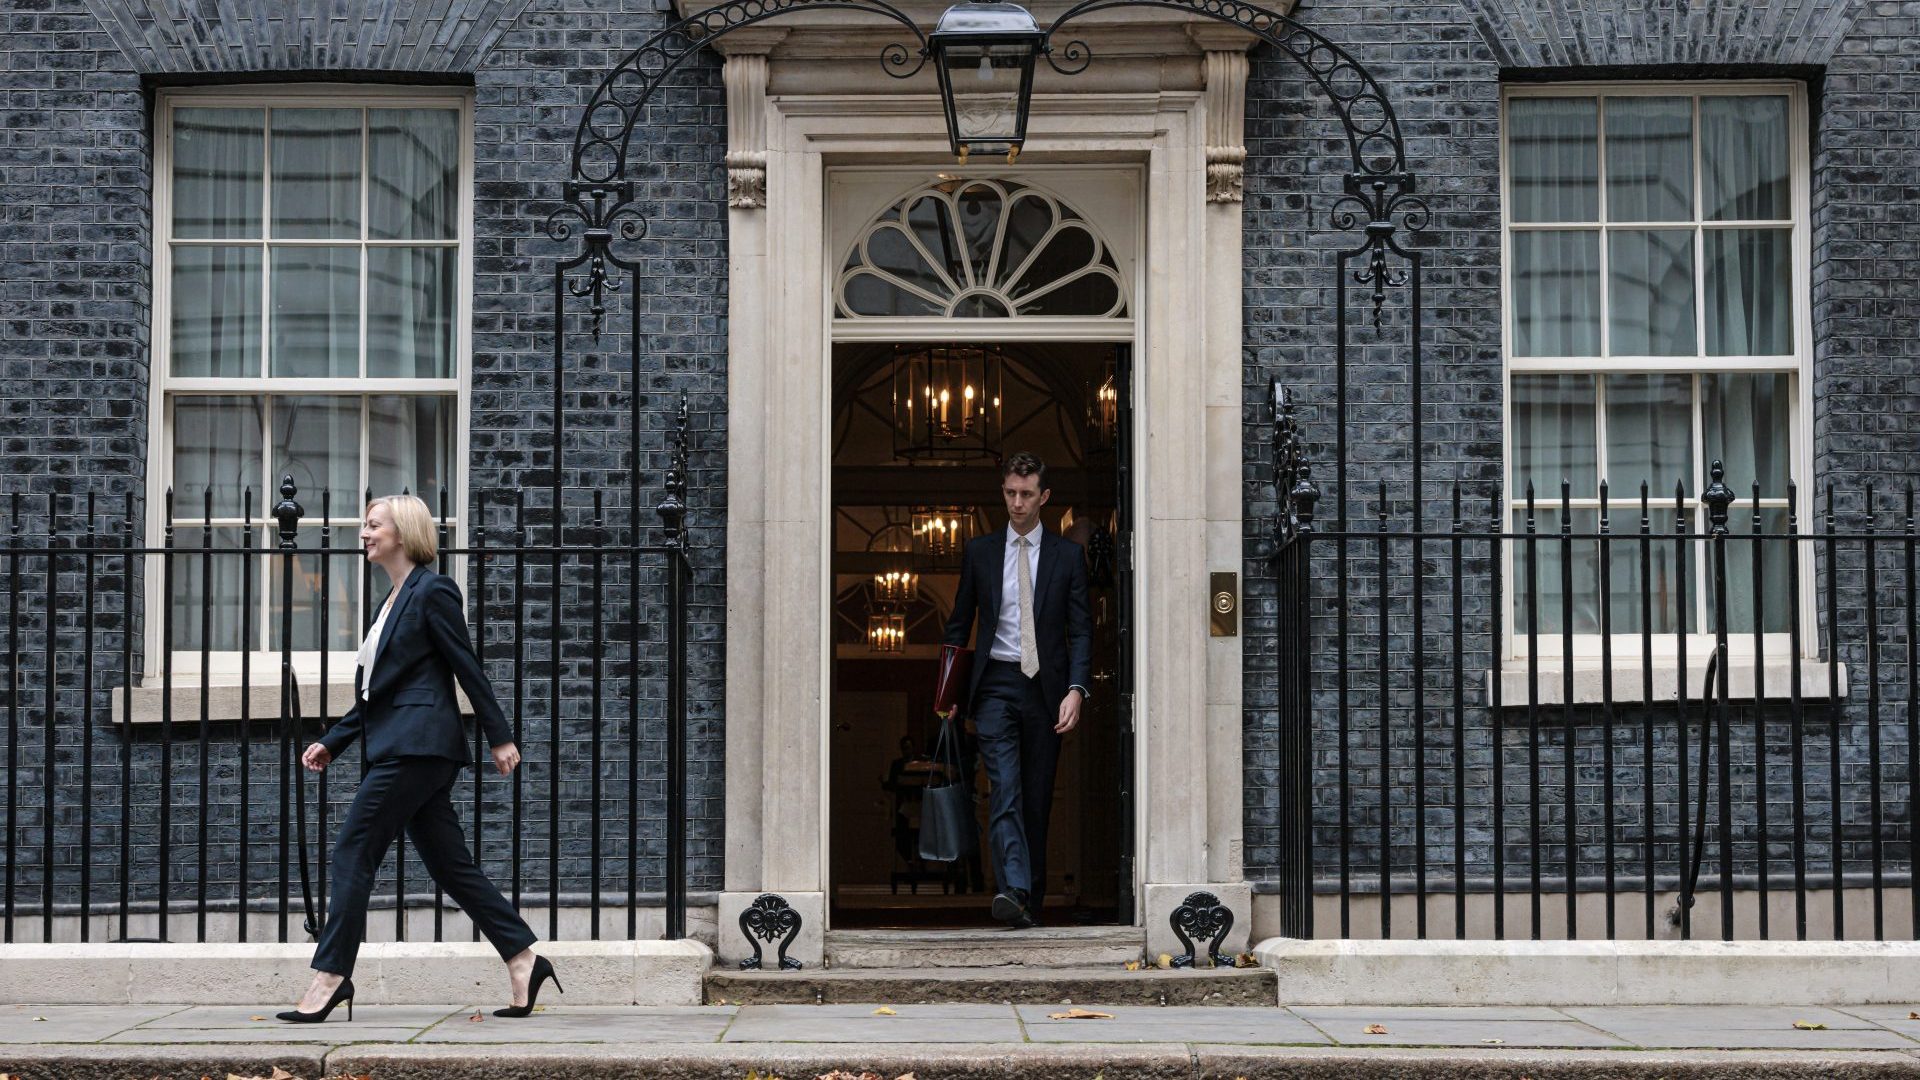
1718	498
288	513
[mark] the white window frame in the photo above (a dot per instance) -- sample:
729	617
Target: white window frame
224	667
1627	648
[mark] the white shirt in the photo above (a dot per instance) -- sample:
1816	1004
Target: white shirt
1006	634
370	648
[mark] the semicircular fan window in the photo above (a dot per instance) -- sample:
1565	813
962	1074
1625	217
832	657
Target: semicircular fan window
984	249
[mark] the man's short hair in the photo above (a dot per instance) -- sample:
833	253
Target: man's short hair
1025	463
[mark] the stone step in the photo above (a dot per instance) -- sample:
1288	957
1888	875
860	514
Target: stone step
1107	985
1077	946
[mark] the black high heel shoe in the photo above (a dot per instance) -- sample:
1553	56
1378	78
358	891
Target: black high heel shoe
542	971
343	992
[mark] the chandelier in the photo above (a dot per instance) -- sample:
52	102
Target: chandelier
941	530
946	402
894	588
886	633
1103	415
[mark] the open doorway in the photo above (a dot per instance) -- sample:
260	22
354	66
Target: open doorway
918	433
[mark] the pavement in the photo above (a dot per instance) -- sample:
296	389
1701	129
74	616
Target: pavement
965	1042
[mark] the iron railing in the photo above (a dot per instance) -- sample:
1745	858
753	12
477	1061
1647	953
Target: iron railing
112	815
1450	723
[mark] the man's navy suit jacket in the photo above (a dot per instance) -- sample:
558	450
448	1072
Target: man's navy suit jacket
410	709
1062	623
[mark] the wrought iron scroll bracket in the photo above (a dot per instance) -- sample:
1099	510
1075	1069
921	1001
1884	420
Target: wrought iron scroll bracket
602	211
1381	205
1202	915
767	918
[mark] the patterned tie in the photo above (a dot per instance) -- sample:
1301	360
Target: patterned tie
1029	644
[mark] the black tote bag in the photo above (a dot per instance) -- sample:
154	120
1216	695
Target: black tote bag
947	829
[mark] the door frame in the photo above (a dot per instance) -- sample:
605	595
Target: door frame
1187	490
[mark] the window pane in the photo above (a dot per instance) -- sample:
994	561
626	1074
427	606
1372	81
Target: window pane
217	160
1746	426
1553	159
1556	293
413	158
316	173
410	447
216	312
1773	608
316	312
410	312
317	440
1553	435
216	442
932	225
1540	562
1650	306
340	588
209	592
1743	158
1649	433
1650	159
1645	577
1749	292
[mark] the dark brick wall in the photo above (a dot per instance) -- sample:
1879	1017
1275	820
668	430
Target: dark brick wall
74	271
1442	65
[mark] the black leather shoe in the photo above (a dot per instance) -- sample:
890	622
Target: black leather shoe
343	992
542	971
1010	907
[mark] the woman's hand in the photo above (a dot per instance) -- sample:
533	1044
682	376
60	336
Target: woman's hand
505	757
317	758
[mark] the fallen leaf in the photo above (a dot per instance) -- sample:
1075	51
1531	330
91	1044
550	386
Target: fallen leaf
539	1008
1079	1014
256	1018
1245	960
1376	1029
1913	1016
476	1018
884	1011
1809	1025
1166	960
1494	1042
1134	965
282	1074
906	1076
39	1019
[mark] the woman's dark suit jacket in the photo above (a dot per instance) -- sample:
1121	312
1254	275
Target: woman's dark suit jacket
410	709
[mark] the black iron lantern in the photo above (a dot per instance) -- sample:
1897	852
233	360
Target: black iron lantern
983	52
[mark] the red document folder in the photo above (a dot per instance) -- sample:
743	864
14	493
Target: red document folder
956	675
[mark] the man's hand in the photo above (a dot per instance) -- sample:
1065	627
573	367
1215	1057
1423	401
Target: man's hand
505	757
1069	713
317	758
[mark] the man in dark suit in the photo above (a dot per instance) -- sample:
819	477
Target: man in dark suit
1027	590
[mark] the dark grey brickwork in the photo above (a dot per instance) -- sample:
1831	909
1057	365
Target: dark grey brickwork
74	272
1442	64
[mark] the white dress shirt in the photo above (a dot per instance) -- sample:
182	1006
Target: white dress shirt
1006	634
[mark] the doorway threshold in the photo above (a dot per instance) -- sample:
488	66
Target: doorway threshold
1051	947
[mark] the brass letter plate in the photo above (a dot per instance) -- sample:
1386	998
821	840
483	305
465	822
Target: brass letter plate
1223	605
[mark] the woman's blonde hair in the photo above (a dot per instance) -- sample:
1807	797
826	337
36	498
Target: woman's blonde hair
414	522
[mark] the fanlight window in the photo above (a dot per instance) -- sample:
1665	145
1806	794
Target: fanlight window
983	249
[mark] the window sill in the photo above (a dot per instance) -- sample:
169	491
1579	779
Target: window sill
224	699
1629	686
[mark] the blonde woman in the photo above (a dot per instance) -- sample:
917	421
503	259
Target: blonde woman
415	748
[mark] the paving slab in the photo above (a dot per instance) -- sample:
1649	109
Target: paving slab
1740	1027
331	1033
1896	1018
215	1017
862	1024
1386	1013
74	1023
1174	1023
588	1024
1392	1063
1469	1034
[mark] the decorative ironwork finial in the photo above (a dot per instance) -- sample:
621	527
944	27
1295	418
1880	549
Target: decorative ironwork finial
673	505
288	513
1718	498
604	211
1292	481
